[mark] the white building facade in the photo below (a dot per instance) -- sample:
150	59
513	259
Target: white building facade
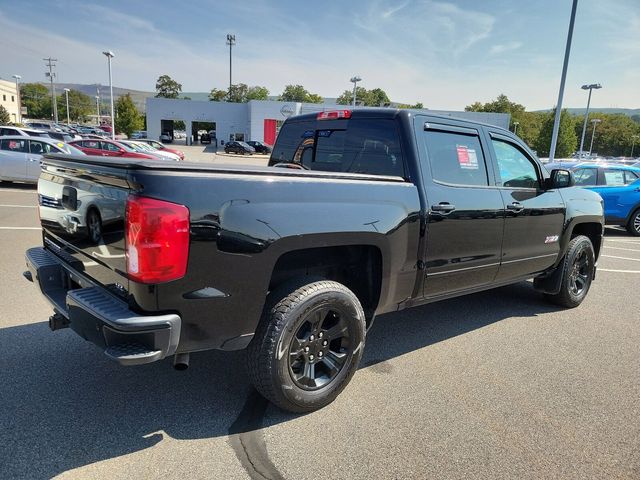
9	99
256	120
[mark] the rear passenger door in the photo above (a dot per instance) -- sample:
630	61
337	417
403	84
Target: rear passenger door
534	218
465	216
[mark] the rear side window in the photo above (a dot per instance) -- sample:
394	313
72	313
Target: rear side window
456	158
358	145
14	145
614	178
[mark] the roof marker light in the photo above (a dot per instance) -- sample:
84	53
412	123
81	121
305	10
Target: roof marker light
334	114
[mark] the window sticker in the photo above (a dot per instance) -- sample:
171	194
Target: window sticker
467	157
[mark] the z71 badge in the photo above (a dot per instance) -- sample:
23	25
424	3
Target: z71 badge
551	239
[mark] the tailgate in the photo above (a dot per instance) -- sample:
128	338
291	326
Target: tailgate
82	213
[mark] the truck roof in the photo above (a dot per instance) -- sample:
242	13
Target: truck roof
385	112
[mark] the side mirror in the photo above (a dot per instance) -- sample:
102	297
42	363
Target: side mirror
560	178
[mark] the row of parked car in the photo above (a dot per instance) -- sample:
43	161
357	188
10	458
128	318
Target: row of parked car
21	150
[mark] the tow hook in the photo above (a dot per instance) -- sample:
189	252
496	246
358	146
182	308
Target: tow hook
58	321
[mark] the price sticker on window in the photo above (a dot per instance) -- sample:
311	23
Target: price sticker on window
467	157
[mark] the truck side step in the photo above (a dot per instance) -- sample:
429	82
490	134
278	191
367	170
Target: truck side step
132	353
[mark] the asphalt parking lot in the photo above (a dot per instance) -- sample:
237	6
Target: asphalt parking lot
494	385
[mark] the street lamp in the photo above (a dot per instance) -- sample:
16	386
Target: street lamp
231	41
109	55
355	79
18	77
515	127
589	87
66	94
595	122
633	143
98	108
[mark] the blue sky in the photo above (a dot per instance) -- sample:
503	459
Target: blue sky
445	54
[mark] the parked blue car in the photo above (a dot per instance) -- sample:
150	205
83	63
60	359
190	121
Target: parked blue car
619	187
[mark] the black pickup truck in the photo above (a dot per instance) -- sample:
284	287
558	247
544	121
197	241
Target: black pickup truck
358	213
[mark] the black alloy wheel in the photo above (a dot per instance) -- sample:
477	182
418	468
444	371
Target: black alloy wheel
319	349
308	344
578	267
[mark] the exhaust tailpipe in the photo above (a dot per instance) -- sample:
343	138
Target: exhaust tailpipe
181	361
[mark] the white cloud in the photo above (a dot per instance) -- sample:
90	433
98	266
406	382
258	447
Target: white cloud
504	47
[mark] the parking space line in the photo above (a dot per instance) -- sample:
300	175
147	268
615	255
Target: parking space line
20	228
619	248
18	206
622	258
617	271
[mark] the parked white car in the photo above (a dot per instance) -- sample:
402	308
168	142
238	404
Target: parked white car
146	148
21	157
6	130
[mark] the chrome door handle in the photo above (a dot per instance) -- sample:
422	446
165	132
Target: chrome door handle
443	207
515	207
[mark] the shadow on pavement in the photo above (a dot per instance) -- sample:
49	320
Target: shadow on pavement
18	186
64	405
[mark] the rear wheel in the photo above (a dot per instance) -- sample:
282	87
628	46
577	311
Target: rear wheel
633	227
94	226
308	345
577	273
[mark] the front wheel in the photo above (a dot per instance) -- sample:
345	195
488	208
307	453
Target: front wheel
307	346
577	273
633	227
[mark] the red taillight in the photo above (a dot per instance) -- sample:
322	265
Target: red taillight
334	114
157	236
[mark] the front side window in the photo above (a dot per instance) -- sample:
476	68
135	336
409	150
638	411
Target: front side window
516	169
614	178
110	147
39	148
586	176
456	158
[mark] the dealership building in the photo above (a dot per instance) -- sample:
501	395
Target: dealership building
256	120
9	99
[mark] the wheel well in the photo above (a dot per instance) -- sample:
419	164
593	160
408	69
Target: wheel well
591	230
358	267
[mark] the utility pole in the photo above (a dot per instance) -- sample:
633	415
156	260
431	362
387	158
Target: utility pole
98	104
565	66
66	94
515	127
231	41
51	74
586	114
633	143
109	54
355	79
595	122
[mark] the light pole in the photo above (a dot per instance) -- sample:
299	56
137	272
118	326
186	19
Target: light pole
565	66
231	41
355	79
18	77
66	94
109	55
98	109
633	143
515	127
595	122
589	87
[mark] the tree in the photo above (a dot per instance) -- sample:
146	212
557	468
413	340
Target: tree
5	118
167	87
567	138
37	99
613	134
128	119
217	95
80	106
297	93
239	93
370	98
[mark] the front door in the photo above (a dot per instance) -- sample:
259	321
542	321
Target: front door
13	158
466	214
534	217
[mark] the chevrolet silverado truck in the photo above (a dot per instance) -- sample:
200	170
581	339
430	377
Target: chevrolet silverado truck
357	214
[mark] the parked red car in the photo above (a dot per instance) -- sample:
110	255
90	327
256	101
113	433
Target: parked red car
108	148
161	146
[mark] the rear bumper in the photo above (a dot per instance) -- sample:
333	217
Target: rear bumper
99	317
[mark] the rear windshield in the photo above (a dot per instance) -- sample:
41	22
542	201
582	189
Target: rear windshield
359	145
